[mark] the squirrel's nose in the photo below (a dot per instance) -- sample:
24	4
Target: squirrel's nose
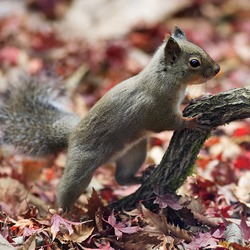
217	69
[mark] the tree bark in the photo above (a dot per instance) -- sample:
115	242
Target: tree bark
179	159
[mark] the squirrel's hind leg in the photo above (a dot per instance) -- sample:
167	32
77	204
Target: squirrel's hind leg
129	163
79	169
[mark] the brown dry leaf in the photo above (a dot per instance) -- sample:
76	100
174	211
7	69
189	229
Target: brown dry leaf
99	220
29	244
235	246
17	196
157	224
168	243
140	241
80	234
13	194
194	204
205	220
135	212
179	233
94	203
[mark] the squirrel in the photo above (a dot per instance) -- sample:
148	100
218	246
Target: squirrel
116	128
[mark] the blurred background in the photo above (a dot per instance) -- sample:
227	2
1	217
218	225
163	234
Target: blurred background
94	44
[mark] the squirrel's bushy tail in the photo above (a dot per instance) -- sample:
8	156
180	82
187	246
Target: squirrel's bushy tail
32	121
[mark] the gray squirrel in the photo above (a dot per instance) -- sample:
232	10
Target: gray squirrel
117	126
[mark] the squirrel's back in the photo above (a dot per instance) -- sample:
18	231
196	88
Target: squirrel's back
31	121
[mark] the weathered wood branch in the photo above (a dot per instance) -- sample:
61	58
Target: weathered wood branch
178	161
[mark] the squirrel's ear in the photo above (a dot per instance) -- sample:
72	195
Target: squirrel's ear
178	33
172	51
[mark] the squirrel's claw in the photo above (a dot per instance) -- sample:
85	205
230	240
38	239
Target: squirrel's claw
194	123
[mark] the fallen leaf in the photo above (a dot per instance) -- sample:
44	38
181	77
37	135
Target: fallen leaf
94	204
245	229
80	234
121	227
29	244
202	241
157	224
233	233
58	223
101	246
168	200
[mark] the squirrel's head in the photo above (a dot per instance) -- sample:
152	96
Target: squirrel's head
188	60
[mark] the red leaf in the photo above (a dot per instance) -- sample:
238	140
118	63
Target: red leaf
201	241
245	229
121	227
241	131
224	211
243	161
57	222
168	200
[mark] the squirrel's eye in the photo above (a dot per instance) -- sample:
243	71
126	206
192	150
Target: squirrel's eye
194	63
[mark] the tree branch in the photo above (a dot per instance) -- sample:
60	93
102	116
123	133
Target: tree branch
178	161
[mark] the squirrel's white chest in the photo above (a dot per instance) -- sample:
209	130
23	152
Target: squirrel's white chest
183	93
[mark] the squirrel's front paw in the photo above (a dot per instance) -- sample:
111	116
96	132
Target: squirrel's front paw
195	123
